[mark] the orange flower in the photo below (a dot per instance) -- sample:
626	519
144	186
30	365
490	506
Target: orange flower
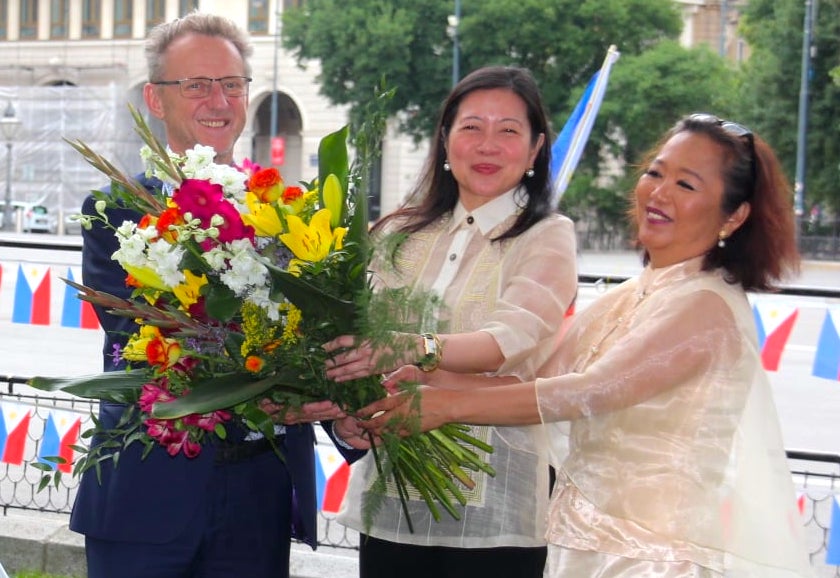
163	352
292	194
254	363
267	184
171	216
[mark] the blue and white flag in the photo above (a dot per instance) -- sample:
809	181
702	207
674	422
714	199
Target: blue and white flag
568	147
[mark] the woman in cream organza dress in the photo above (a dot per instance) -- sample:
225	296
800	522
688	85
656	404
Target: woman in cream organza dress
480	232
674	463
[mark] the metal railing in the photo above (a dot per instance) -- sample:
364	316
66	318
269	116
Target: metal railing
816	476
19	483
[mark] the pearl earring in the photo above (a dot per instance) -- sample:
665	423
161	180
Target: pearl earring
721	239
529	173
446	166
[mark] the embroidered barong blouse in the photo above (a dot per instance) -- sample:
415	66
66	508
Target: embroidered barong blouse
675	463
518	291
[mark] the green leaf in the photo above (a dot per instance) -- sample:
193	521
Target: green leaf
223	391
311	300
222	303
333	160
109	385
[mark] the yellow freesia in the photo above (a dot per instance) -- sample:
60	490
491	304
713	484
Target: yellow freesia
312	242
262	216
135	349
189	291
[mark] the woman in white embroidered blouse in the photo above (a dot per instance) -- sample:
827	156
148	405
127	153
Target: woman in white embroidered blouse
673	464
481	232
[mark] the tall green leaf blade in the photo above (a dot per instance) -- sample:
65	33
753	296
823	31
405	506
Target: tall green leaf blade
333	159
223	391
109	385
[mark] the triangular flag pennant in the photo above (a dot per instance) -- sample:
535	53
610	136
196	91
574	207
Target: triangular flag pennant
801	500
77	313
32	295
832	549
568	146
827	358
774	322
60	432
14	427
331	476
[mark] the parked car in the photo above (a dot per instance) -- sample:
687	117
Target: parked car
71	225
33	217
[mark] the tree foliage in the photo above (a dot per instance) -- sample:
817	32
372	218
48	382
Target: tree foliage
771	85
563	42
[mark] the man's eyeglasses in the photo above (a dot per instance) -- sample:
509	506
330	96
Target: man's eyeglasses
733	128
201	86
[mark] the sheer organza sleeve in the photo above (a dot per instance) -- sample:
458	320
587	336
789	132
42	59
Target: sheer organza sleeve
538	284
620	362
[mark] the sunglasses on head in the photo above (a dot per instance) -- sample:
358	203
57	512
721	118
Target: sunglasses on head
732	128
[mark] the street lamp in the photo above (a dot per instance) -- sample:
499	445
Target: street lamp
10	125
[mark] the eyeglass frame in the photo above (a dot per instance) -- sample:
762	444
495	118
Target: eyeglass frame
220	80
734	129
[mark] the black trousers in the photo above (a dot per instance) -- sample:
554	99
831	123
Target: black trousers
383	559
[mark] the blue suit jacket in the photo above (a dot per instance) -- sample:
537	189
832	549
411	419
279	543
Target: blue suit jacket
114	508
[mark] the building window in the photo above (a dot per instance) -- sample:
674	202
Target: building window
258	17
91	18
122	18
28	19
155	13
59	14
187	6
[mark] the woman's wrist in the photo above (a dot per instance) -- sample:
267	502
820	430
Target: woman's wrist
432	348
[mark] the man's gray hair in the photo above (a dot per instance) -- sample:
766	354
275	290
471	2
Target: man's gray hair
162	35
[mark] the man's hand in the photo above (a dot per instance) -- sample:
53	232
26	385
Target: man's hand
349	430
309	412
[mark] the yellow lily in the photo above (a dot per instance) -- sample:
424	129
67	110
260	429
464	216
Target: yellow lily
262	216
312	242
189	291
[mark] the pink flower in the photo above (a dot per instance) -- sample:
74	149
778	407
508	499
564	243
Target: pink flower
176	440
207	421
152	393
201	198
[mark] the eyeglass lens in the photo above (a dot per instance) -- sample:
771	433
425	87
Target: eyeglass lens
201	87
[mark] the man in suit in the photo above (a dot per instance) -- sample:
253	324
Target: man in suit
232	510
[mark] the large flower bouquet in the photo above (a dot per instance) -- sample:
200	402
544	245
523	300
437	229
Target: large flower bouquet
238	279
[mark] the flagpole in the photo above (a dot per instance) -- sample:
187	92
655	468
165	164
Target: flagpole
568	147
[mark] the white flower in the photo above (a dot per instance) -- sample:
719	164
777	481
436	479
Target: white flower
132	251
245	271
197	159
216	258
165	260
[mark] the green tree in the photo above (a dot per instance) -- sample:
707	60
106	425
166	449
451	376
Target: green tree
770	93
563	42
